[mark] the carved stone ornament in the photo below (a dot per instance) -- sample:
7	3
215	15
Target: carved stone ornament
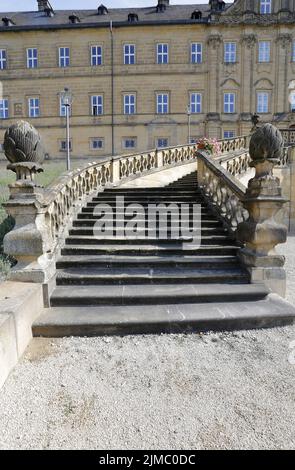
261	232
23	148
284	40
214	40
249	40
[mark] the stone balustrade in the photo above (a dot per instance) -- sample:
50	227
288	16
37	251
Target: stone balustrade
288	136
223	192
43	215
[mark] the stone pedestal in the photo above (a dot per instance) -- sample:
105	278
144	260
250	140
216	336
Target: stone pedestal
260	233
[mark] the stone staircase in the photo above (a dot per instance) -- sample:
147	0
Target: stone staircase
118	285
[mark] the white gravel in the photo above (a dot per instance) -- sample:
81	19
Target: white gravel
213	391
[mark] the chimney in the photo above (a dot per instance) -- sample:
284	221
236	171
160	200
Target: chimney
43	5
163	2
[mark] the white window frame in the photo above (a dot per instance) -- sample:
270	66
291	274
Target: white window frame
4	108
196	52
96	55
96	139
61	149
229	102
34	107
195	102
129	106
262	102
96	105
129	139
264	51
3	59
231	134
129	54
159	144
265	7
63	56
162	54
32	62
162	103
230	52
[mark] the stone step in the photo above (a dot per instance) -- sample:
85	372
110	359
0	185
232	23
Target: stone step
120	320
162	294
139	240
152	197
145	203
143	276
205	231
205	223
168	249
91	207
111	261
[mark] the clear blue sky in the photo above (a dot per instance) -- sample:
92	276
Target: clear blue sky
31	5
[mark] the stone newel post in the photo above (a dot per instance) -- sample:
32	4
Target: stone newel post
260	233
29	241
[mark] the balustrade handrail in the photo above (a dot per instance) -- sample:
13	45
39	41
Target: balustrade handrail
223	192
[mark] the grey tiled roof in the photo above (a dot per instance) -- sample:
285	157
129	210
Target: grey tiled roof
38	19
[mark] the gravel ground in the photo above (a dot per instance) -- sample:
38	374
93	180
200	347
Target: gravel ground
211	391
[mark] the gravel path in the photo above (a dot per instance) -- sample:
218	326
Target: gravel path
212	391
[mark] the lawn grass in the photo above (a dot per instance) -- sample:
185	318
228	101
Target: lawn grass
52	169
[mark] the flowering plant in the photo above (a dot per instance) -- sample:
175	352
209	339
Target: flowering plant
209	145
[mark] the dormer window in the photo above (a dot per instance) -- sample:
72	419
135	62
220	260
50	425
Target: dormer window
102	10
74	19
265	7
132	17
7	21
196	15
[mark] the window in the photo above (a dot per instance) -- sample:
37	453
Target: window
63	146
195	103
3	59
229	102
129	143
162	103
265	6
162	53
129	54
64	56
162	142
96	55
97	143
230	52
264	51
262	102
228	134
96	105
34	110
129	104
4	109
196	53
293	51
32	58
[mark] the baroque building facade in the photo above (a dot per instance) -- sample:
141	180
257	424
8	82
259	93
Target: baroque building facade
148	77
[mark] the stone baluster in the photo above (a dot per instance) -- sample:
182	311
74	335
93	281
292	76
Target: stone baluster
260	233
